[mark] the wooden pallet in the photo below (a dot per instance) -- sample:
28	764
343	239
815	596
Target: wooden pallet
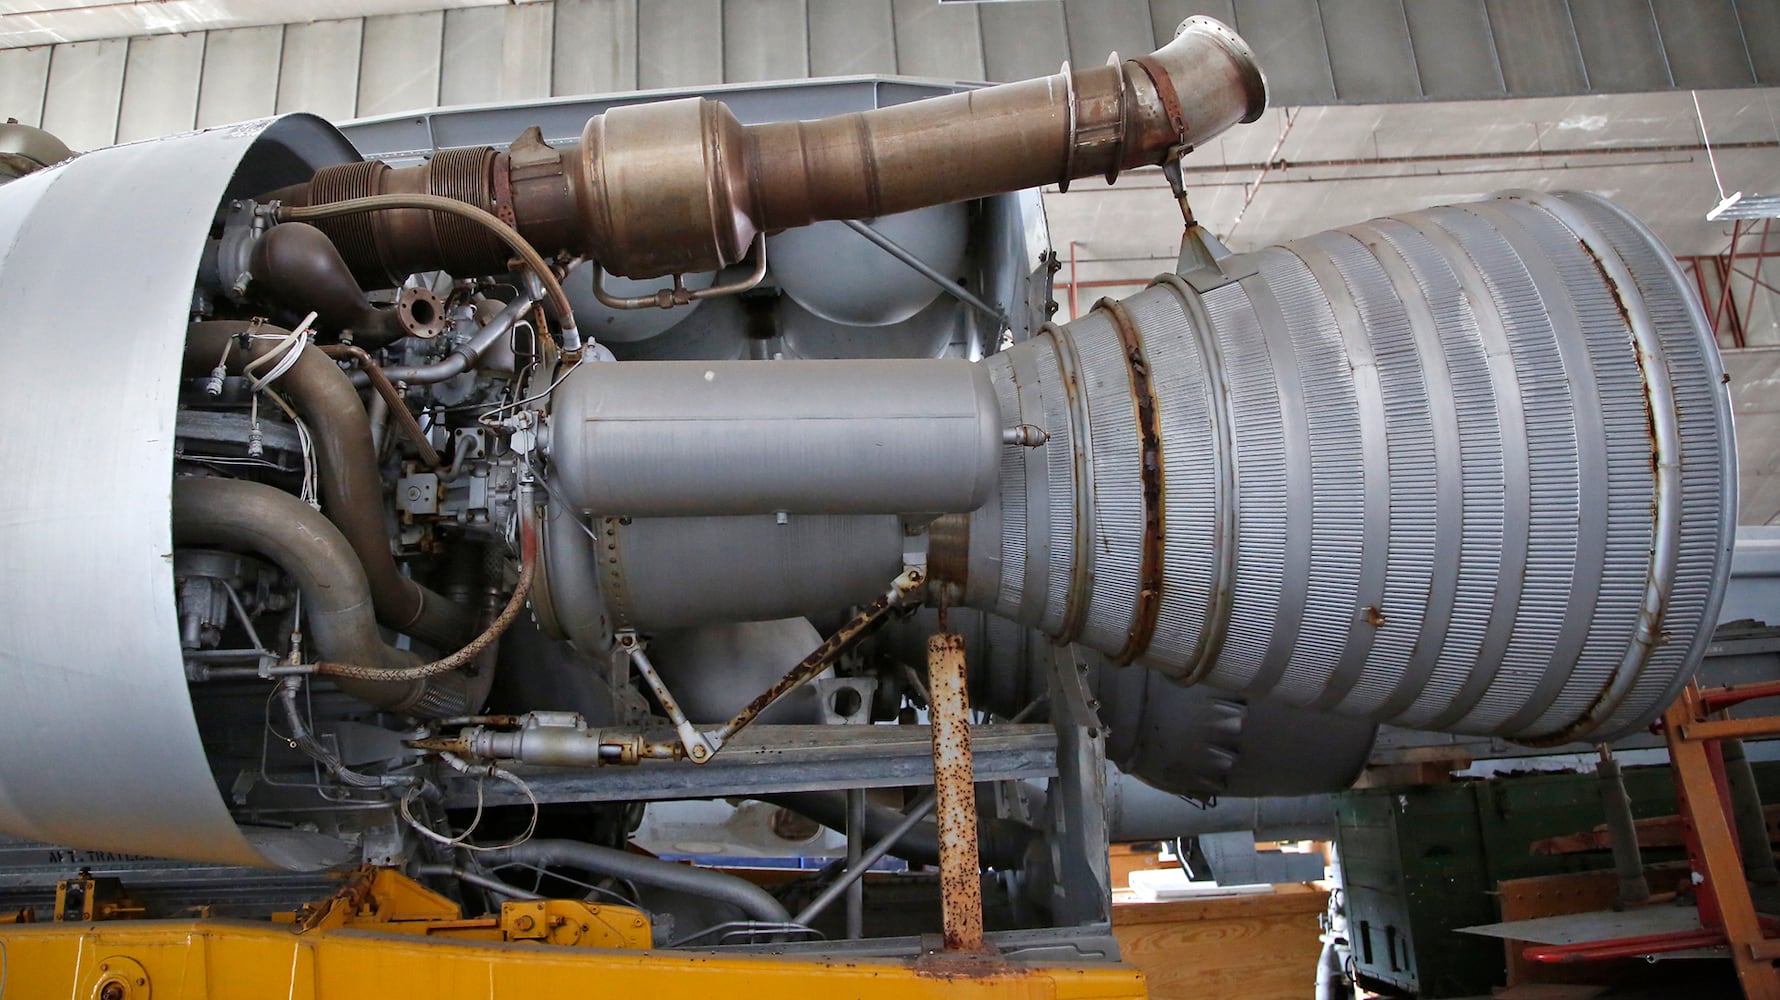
1238	948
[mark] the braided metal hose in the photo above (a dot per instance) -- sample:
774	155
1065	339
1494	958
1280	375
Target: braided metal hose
527	570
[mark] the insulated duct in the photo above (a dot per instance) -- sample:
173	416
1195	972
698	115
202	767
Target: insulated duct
683	186
1467	469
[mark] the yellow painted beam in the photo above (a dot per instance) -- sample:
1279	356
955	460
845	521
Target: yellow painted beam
242	960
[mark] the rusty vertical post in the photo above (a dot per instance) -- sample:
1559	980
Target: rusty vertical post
954	789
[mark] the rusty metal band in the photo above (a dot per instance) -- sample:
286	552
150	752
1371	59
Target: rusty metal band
464	174
1165	90
502	186
1081	569
1210	645
1124	127
1664	429
1069	127
1149	431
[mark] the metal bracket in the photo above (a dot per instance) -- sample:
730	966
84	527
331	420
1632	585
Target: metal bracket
927	271
680	295
701	747
697	748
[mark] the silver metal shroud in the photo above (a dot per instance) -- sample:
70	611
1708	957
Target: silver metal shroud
1469	469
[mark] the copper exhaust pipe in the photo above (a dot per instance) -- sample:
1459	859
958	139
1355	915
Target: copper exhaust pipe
682	186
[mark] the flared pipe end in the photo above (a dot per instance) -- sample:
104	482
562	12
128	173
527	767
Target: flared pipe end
1213	100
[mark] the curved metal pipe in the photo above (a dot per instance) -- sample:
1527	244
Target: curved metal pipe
475	648
468	877
297	266
513	240
1001	843
464	358
351	487
746	896
391	398
337	606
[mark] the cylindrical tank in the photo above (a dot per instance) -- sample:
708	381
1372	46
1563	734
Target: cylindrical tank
689	438
1467	469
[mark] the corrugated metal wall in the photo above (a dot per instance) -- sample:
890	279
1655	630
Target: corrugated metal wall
1315	52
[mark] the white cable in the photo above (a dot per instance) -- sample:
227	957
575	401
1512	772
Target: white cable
289	349
461	840
284	341
308	491
1713	160
570	370
438	838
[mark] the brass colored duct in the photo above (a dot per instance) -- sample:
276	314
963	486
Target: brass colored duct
682	186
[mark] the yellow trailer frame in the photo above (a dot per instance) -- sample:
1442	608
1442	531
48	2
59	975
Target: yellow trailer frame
385	937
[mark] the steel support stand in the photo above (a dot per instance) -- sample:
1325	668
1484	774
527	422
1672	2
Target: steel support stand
954	788
855	847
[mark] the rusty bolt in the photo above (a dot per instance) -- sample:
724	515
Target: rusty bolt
524	923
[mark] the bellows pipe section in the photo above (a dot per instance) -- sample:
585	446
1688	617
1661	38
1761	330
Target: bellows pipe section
1468	469
683	186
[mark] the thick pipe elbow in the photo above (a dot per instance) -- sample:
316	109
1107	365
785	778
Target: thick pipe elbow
298	267
337	607
351	486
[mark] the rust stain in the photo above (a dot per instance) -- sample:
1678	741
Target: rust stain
818	660
954	966
1149	430
1081	573
1374	616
